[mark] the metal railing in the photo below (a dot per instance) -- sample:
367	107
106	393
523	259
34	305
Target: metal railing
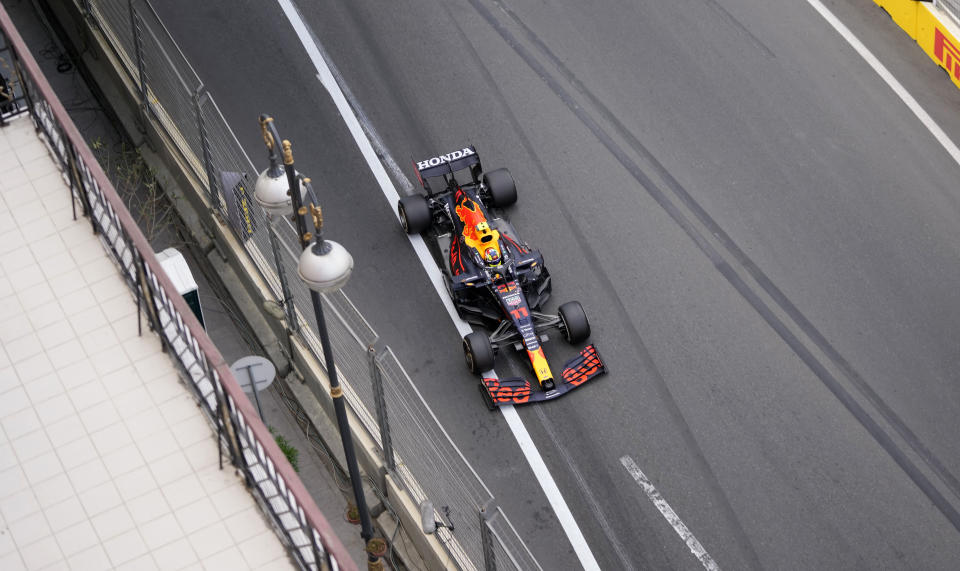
413	445
280	493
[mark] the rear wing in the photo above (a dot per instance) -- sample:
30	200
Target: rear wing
447	163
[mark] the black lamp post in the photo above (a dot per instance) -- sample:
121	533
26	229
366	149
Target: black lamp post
324	266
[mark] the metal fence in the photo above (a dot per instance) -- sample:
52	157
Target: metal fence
281	494
414	446
951	7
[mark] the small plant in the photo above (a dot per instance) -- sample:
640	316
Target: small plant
292	454
137	185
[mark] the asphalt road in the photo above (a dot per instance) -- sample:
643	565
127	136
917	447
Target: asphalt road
764	237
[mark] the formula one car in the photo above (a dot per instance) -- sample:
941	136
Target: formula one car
494	278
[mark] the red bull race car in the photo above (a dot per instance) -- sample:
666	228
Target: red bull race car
494	278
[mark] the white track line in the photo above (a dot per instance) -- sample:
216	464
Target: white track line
540	471
695	547
885	74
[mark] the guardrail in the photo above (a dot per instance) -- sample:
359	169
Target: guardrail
295	517
414	447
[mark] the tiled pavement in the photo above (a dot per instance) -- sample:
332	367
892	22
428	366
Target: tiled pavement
105	460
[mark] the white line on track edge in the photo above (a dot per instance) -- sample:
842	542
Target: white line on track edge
671	516
888	77
529	449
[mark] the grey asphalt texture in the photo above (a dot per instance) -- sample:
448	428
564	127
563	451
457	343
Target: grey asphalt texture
765	238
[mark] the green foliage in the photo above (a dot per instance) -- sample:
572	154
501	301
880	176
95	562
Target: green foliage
292	454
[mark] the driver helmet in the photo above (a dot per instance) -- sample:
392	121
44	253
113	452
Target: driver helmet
491	256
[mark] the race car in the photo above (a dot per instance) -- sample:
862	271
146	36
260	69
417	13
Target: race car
493	277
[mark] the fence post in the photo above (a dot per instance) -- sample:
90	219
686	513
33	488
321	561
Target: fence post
212	184
381	404
486	541
287	301
138	49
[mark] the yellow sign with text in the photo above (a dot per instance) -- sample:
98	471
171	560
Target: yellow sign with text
933	30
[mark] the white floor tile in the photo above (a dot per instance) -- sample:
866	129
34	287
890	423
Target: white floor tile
22	347
37	296
196	515
88	476
161	531
77	538
31	445
176	555
13	480
29	529
75	374
44	315
42	553
111	438
211	539
68	354
261	549
55	334
123	460
113	522
93	559
184	491
65	514
41	390
18	505
135	483
87	395
76	453
100	498
143	563
53	491
56	408
68	429
12	561
43	467
148	507
170	468
125	547
13	401
99	416
17	424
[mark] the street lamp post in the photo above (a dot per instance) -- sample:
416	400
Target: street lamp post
324	266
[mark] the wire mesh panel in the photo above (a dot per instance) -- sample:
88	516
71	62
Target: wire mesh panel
428	462
952	7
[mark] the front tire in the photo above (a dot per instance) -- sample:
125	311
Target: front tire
573	322
501	188
414	214
478	352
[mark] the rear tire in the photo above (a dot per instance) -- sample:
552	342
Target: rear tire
574	322
501	188
478	352
414	214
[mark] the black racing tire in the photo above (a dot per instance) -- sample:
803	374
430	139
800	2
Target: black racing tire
478	352
414	214
501	188
573	322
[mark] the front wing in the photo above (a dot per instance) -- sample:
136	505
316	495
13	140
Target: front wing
515	390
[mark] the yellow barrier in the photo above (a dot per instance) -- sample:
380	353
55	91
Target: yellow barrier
934	32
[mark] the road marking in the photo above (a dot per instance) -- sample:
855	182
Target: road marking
361	137
672	518
888	77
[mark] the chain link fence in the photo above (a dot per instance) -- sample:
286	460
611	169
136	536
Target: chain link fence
414	446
